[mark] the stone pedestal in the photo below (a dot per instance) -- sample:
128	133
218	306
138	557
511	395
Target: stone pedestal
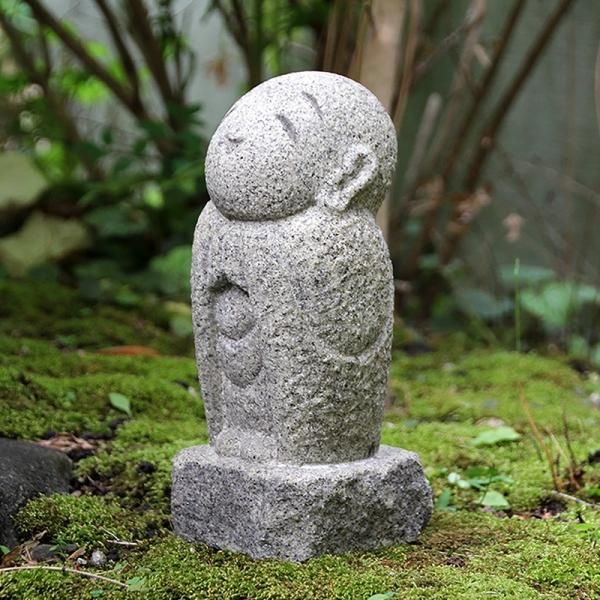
295	512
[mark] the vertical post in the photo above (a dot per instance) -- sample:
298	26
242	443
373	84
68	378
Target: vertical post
376	61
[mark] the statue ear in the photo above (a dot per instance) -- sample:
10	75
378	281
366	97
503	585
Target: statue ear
358	169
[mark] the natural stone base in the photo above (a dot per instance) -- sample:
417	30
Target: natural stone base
295	512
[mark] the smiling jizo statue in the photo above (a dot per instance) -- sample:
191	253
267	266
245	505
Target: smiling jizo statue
292	299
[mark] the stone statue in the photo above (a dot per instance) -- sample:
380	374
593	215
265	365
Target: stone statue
292	301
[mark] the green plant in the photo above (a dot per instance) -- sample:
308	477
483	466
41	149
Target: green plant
138	192
478	479
275	36
542	307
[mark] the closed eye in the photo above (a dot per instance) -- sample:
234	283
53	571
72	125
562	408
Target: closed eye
288	126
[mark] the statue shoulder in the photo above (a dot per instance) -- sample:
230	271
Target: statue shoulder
340	268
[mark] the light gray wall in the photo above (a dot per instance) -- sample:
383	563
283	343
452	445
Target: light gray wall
547	169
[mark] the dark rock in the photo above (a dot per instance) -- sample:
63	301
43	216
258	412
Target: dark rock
594	457
113	555
76	454
27	470
145	467
549	507
44	553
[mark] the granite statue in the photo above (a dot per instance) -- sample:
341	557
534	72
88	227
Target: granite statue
292	303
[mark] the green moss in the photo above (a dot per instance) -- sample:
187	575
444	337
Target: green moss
60	315
442	402
81	520
461	555
48	389
487	383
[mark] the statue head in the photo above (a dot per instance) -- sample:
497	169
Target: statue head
298	140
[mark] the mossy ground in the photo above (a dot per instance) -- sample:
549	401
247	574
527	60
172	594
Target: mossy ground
440	403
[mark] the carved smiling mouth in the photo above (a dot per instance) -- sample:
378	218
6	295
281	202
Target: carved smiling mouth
230	141
234	139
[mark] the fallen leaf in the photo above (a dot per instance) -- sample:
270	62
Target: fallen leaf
68	442
77	554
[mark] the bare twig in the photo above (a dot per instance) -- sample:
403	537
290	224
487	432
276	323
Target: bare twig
430	115
334	33
570	465
96	68
485	86
150	48
490	131
120	44
42	78
597	86
569	498
541	444
65	570
407	66
472	27
435	17
123	543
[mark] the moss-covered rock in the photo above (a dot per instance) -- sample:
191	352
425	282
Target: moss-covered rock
441	402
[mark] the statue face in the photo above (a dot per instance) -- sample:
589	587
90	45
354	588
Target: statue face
265	160
297	140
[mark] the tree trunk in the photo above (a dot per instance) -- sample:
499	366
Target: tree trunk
376	63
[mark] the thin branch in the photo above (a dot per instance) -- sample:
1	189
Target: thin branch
597	86
231	25
490	131
569	498
573	464
407	67
45	50
120	44
450	41
435	17
569	464
24	60
541	444
472	27
485	86
241	18
236	22
65	570
148	44
123	543
333	36
96	68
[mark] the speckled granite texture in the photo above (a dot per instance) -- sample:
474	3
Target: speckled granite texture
296	512
292	292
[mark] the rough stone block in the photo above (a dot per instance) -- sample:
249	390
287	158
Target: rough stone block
295	512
